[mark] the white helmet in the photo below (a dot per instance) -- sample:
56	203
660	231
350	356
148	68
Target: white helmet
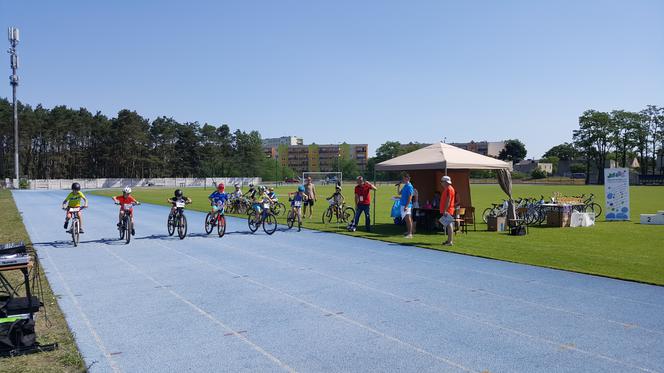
236	185
126	190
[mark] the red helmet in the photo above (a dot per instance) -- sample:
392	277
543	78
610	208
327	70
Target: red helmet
221	187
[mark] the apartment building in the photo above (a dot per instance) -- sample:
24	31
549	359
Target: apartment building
317	157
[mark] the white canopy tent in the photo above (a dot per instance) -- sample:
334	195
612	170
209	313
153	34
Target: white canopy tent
441	156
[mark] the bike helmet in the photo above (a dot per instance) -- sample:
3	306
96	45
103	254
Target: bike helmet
251	185
261	188
338	187
221	187
76	186
126	190
178	193
300	188
271	189
236	185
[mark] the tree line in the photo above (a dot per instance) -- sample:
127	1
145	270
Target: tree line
618	135
67	143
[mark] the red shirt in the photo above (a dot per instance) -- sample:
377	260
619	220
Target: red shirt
364	193
124	200
448	195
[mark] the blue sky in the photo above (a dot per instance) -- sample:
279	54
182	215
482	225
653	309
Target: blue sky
355	71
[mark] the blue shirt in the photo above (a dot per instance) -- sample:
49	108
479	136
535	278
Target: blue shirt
218	197
406	192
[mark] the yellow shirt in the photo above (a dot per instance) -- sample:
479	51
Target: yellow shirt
74	199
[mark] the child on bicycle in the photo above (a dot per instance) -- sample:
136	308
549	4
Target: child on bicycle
178	196
337	200
272	194
297	201
73	200
218	199
251	193
126	199
237	193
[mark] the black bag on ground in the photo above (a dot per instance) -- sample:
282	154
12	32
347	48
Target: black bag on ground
519	230
16	333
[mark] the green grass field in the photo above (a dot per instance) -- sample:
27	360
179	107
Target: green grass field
625	250
67	357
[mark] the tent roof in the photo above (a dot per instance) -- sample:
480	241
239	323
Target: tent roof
440	156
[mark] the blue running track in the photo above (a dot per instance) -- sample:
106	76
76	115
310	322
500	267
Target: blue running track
319	302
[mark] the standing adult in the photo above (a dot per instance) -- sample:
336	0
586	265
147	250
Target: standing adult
362	203
310	191
447	204
406	201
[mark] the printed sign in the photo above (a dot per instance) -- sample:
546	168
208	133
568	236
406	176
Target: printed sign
616	191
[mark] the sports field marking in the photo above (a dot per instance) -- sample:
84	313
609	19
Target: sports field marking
326	311
207	315
558	345
70	294
477	290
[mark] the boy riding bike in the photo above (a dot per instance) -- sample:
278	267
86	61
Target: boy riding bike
261	200
251	193
126	199
237	193
73	200
218	198
178	196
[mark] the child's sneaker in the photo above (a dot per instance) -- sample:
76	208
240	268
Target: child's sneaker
66	224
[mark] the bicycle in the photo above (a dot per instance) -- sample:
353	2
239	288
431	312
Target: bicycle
293	215
75	227
216	219
126	226
342	213
497	209
278	208
589	205
262	216
178	221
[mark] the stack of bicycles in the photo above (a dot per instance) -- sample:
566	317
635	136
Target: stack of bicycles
533	211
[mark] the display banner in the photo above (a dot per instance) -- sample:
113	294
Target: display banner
616	192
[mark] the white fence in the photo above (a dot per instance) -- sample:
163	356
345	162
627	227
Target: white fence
176	182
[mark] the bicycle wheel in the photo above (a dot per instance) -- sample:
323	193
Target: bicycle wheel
75	235
252	221
170	223
221	225
594	208
279	208
121	229
209	222
127	226
327	215
182	227
487	212
290	219
348	214
270	223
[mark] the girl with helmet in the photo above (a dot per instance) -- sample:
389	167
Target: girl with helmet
297	201
337	200
126	199
73	200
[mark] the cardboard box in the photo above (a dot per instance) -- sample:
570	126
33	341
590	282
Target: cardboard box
558	218
496	223
652	219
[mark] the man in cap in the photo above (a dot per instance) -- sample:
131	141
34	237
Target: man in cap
447	199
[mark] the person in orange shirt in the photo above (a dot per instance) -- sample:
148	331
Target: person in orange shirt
126	202
447	209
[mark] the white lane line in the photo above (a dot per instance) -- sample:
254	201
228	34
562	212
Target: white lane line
513	278
70	294
563	346
206	314
327	311
626	325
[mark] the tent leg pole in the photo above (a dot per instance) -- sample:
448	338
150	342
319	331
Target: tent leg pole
373	220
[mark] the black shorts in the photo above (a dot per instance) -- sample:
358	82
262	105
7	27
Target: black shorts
309	202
